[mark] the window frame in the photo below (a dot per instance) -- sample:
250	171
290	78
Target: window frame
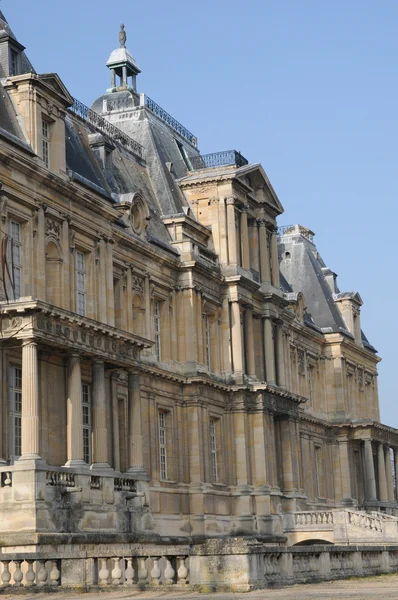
214	451
81	292
157	325
15	416
87	426
15	256
46	140
207	340
163	415
14	63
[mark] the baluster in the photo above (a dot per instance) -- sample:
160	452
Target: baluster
182	570
55	574
129	573
42	575
6	575
7	480
155	573
169	572
117	572
18	575
30	574
142	571
103	573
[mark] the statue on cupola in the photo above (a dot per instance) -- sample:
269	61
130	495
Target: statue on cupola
122	37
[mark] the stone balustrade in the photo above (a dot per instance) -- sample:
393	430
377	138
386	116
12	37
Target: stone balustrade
365	520
313	518
198	566
19	572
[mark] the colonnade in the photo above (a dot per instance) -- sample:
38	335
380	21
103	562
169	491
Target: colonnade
74	427
268	266
385	477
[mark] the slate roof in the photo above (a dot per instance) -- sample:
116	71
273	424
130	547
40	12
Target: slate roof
303	268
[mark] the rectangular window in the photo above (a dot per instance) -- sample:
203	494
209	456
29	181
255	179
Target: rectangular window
86	410
15	412
208	341
157	330
13	63
163	444
46	142
213	448
80	269
15	257
318	471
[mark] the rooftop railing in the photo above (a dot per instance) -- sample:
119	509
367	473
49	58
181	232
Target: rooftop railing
116	134
173	123
218	159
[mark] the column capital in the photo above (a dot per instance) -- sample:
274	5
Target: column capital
230	200
262	222
244	208
29	342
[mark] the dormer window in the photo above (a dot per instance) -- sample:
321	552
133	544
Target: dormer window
184	156
14	60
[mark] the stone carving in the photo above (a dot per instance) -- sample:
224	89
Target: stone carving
122	37
138	283
53	228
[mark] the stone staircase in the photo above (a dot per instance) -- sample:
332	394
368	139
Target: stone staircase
341	526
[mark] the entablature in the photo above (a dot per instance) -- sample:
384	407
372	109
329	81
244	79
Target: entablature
29	318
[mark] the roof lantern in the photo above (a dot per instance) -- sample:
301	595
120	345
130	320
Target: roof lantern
122	64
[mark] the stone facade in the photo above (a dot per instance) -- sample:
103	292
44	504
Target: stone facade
175	370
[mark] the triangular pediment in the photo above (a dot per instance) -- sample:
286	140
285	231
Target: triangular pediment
55	85
259	182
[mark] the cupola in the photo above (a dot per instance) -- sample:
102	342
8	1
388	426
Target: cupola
123	66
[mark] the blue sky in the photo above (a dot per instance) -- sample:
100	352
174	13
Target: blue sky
307	88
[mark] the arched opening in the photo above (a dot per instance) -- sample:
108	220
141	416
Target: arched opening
53	274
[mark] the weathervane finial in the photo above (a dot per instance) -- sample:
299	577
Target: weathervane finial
122	37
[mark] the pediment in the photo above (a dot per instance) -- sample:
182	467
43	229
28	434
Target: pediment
261	185
55	85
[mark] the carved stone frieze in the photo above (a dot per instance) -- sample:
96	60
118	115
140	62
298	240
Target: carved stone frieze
53	228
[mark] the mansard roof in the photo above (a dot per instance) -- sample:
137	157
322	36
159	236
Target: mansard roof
303	268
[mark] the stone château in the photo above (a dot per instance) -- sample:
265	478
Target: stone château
186	395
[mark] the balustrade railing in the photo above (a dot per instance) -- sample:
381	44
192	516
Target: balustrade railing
154	571
173	123
313	518
107	128
218	159
124	485
60	479
30	573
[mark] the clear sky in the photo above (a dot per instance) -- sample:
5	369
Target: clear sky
306	87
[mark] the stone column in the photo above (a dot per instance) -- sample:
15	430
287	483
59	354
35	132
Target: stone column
370	478
345	472
389	477
274	260
30	402
250	359
100	440
236	337
281	355
136	458
244	230
232	254
124	72
382	474
115	421
287	458
74	413
113	78
265	271
269	352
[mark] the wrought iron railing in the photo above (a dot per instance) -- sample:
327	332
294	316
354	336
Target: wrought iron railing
94	119
164	116
218	159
